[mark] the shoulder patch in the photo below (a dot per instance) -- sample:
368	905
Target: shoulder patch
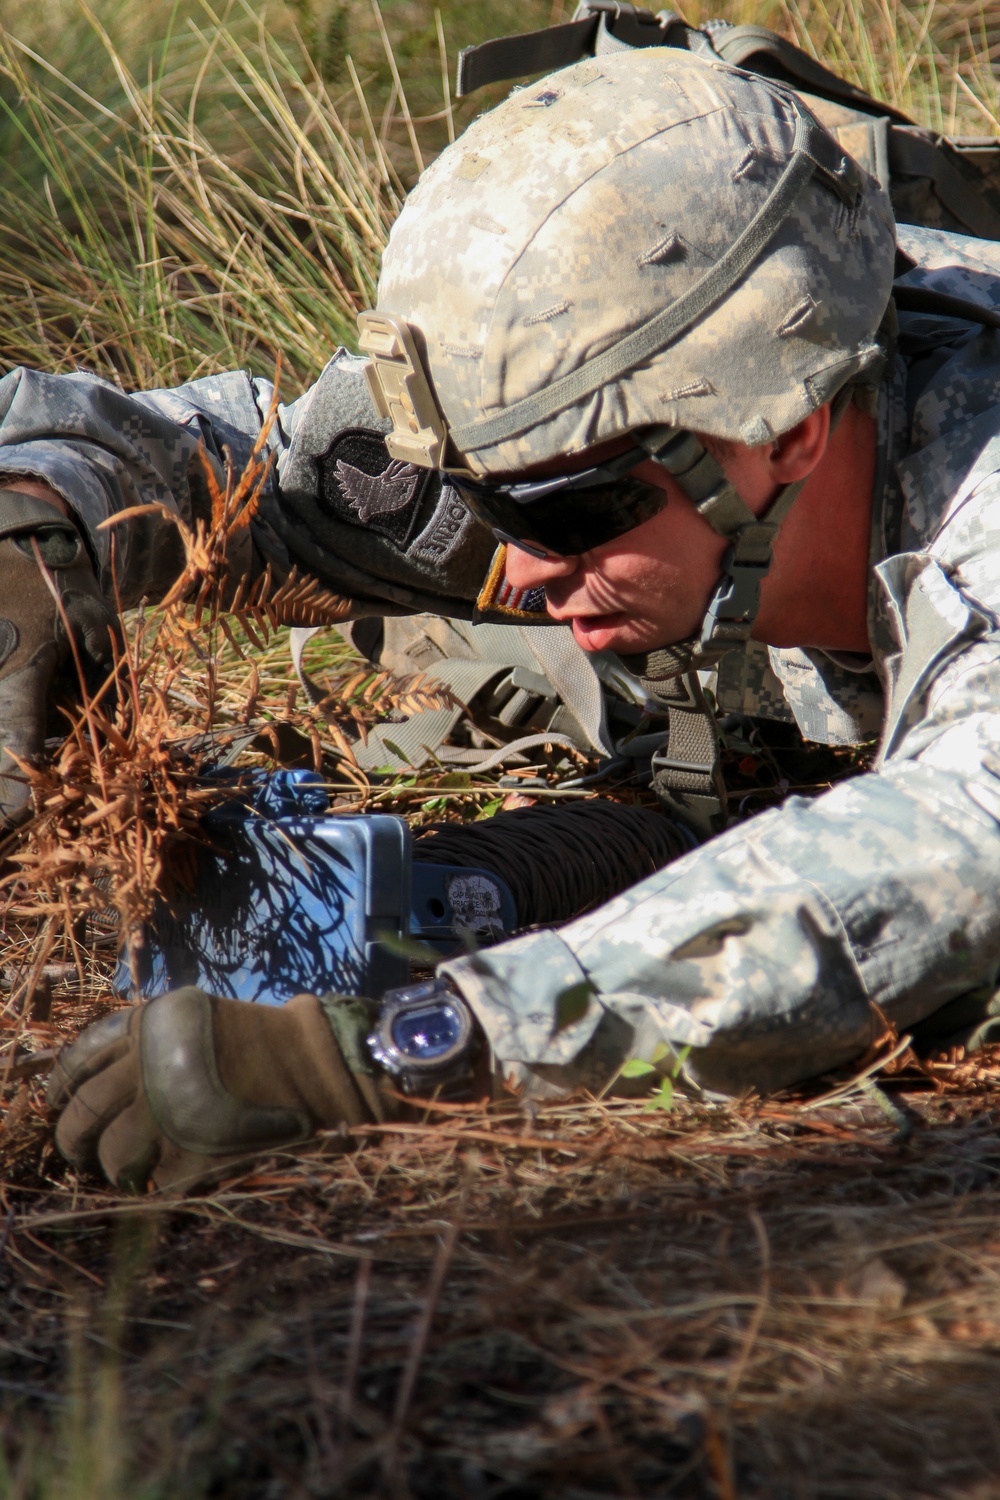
360	484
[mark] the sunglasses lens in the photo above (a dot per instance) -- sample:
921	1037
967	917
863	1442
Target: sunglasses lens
567	522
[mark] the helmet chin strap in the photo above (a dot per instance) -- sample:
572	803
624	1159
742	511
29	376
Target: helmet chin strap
735	599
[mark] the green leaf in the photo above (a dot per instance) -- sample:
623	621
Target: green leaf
399	754
636	1068
407	947
663	1098
682	1057
571	1005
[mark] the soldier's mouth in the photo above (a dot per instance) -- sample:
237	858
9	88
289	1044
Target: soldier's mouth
595	632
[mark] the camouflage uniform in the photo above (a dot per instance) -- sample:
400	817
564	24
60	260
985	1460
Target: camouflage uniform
765	951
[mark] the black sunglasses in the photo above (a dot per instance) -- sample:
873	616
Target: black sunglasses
569	514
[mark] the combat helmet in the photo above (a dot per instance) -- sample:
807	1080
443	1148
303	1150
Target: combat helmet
647	242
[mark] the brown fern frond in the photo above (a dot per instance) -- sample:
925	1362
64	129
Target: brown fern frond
119	806
297	601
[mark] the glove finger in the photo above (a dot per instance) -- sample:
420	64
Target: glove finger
130	1147
135	1155
93	1108
180	1172
94	1049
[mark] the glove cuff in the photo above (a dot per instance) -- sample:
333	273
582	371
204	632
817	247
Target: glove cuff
351	1019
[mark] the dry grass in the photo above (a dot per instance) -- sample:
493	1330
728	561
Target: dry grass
756	1301
795	1298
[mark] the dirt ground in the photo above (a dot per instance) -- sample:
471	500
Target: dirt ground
799	1299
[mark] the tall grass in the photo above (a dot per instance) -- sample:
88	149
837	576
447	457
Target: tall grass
185	191
199	201
140	247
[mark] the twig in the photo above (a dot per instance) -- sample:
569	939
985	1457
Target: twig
757	1316
8	1225
361	1285
408	1379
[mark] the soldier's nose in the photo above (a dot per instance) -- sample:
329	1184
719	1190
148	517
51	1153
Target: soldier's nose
526	571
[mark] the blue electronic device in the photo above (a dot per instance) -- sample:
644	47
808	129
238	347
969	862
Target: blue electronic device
288	898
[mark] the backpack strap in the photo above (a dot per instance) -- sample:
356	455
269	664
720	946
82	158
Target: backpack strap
610	26
915	153
507	57
598	26
763	52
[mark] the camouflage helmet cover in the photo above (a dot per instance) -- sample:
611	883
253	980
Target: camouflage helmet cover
567	219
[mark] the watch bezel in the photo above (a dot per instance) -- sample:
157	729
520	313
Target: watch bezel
414	1073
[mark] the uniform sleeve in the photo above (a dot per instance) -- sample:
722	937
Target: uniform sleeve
104	451
766	951
391	538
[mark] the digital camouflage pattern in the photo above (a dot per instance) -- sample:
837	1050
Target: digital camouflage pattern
636	171
767	950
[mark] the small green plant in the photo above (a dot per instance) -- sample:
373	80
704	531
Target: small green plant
666	1064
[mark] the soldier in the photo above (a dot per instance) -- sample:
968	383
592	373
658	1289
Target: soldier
638	319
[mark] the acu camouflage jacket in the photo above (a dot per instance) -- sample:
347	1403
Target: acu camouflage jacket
765	951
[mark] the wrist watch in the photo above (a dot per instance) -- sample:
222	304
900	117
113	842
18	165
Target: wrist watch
425	1038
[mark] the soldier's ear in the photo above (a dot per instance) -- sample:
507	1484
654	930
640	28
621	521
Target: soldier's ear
795	454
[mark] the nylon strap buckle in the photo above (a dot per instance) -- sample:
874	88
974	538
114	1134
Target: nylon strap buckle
660	762
736	597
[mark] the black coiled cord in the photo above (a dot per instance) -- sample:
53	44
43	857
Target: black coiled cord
559	861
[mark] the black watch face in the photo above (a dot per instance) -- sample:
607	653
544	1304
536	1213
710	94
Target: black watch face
428	1033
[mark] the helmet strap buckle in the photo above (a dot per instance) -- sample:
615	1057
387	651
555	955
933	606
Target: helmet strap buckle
735	599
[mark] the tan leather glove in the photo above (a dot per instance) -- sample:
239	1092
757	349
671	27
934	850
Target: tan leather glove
34	642
165	1094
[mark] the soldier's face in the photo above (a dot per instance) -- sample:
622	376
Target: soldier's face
649	587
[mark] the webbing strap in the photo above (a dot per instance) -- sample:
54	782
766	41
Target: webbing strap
699	475
687	775
735	599
598	27
757	50
810	147
508	57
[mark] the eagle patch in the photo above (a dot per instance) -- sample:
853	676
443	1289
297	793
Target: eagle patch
360	484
